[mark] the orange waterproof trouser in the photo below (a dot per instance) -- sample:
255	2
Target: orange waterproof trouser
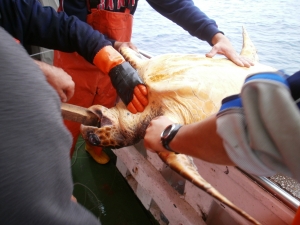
296	220
91	86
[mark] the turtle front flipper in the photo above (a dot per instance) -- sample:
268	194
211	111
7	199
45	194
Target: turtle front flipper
135	59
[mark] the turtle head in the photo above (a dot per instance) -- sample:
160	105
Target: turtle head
115	128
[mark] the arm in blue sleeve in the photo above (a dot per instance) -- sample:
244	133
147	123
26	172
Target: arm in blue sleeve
33	24
188	16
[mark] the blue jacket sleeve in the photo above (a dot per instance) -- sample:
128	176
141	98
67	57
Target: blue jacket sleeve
32	24
188	16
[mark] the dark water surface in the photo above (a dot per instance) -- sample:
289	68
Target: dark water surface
273	26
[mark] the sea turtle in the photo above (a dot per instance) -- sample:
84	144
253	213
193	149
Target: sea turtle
184	87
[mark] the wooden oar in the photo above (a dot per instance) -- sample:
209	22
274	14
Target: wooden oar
78	114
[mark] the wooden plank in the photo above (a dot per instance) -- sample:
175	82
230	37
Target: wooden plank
78	114
198	199
122	168
176	209
237	187
154	159
245	193
144	196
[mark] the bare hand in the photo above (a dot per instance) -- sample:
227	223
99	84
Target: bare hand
59	80
152	137
118	45
73	199
223	46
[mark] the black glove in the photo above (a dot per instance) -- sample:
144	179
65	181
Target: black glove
125	78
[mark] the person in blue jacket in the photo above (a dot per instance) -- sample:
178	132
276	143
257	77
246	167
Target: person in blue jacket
114	18
32	24
182	12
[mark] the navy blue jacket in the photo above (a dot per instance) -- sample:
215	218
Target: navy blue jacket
182	12
32	24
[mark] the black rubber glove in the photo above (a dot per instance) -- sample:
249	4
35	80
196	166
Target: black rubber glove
124	78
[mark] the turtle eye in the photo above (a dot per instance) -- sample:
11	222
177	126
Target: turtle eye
94	139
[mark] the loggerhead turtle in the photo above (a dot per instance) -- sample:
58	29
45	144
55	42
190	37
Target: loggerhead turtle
184	87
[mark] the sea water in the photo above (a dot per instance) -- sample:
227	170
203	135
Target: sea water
273	27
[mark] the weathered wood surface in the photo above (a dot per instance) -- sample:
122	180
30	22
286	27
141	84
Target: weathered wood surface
170	202
237	187
78	114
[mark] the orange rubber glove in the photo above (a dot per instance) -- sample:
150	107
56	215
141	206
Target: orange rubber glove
124	78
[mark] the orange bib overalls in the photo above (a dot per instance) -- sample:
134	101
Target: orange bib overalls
92	86
296	220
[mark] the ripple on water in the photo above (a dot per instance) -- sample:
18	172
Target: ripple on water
273	27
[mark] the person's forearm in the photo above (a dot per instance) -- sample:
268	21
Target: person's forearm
188	16
34	24
44	67
67	33
200	140
58	79
216	38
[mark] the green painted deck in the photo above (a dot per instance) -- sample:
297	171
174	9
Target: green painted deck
105	192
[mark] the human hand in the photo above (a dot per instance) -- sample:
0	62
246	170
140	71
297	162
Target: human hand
73	199
59	80
124	78
152	140
223	46
118	45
